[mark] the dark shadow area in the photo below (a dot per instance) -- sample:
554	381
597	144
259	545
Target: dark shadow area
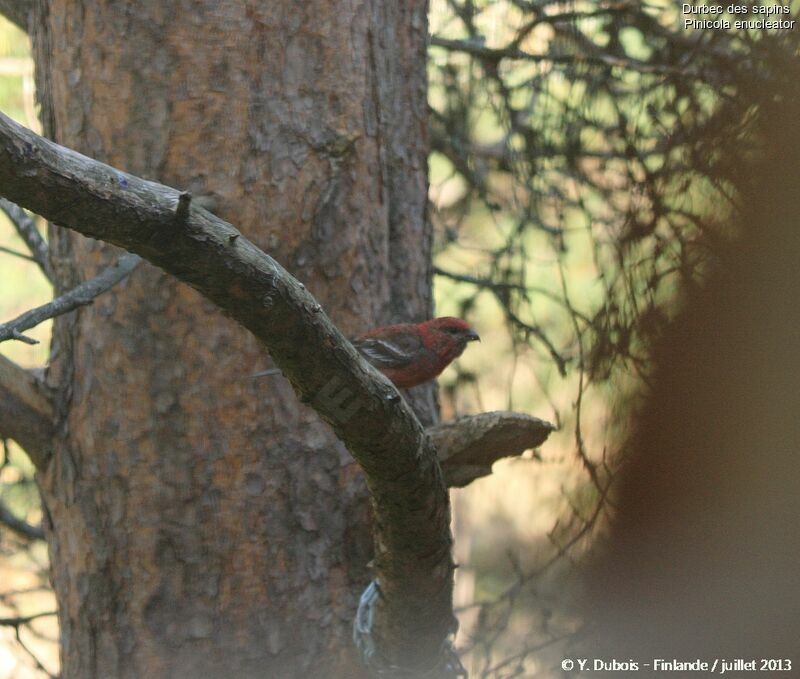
702	561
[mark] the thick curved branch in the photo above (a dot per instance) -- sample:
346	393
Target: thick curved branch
79	296
17	12
25	413
413	542
468	447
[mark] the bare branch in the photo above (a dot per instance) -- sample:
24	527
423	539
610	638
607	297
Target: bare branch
497	54
20	527
500	290
468	447
25	413
17	621
17	335
79	296
27	230
413	562
16	253
486	283
17	12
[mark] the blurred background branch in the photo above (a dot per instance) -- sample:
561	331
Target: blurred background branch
27	231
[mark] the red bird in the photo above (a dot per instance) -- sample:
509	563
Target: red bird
410	354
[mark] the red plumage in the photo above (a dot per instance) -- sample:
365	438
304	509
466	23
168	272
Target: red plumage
410	354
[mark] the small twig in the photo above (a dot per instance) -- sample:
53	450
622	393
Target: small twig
16	253
479	282
81	295
536	331
18	621
184	202
17	335
21	621
20	527
266	373
527	650
499	290
26	228
32	655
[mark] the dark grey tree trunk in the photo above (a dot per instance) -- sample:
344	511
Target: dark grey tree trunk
202	524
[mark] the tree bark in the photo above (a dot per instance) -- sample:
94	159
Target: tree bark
200	523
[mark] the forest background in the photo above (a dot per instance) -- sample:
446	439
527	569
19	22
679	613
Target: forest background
575	200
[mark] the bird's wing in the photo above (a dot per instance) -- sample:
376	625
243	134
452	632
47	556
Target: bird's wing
389	352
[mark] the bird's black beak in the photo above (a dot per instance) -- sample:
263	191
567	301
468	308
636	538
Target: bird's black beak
472	336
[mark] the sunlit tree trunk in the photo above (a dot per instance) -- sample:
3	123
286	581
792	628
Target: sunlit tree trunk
203	524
